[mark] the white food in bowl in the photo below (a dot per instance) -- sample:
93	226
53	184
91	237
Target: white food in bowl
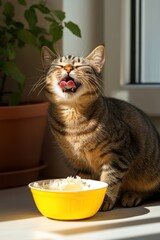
69	183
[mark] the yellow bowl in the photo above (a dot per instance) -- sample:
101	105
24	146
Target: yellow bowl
69	204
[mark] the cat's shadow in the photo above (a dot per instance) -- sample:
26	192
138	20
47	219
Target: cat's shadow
117	218
120	212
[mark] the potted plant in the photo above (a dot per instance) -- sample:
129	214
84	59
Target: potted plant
17	166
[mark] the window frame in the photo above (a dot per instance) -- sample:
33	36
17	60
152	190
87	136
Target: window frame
144	96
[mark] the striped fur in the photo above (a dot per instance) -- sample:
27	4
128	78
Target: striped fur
103	138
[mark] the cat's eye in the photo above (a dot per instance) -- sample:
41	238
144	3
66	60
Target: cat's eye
81	66
58	66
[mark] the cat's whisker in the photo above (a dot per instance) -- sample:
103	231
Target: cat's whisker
35	86
41	90
98	86
83	52
57	53
96	83
39	69
39	83
99	79
87	84
90	87
42	78
93	82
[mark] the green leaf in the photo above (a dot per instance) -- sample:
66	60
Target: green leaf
9	36
9	9
18	24
4	38
41	8
59	14
21	44
38	31
49	19
15	98
54	23
56	32
45	42
31	17
11	52
22	2
14	72
73	28
26	36
3	56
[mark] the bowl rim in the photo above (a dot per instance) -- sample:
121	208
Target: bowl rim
104	185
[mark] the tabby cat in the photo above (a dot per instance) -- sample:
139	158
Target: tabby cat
103	138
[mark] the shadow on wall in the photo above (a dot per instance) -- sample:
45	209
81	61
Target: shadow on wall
52	155
156	121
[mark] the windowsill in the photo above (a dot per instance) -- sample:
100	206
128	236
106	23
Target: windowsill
19	219
142	85
145	97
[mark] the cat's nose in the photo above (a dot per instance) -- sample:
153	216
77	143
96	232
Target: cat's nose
68	68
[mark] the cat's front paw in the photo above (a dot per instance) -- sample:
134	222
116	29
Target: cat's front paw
131	199
107	204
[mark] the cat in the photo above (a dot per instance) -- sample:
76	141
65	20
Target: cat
103	138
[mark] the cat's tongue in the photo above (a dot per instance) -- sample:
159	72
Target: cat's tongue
67	85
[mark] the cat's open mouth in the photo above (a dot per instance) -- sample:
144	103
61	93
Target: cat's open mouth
69	85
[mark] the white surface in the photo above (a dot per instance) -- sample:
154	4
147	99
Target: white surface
19	219
89	17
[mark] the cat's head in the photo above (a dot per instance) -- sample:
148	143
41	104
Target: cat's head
70	77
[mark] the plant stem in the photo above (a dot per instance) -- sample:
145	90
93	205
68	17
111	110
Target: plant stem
2	88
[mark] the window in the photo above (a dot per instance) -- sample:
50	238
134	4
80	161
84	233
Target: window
132	68
145	41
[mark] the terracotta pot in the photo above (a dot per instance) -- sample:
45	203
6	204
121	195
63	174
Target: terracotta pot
21	137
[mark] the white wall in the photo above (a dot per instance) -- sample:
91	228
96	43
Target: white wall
112	26
89	16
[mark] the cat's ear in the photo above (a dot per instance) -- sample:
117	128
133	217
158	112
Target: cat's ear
47	57
97	57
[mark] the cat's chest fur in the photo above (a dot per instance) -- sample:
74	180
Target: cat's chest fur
79	134
79	130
